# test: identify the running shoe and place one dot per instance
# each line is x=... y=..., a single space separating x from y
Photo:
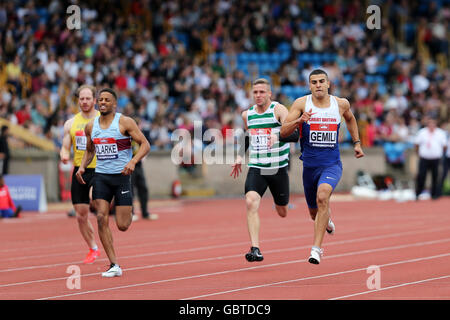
x=331 y=227
x=152 y=216
x=113 y=271
x=254 y=255
x=316 y=253
x=91 y=256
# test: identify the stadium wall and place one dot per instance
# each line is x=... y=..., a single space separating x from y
x=161 y=172
x=38 y=162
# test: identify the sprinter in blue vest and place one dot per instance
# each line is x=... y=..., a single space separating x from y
x=109 y=137
x=319 y=116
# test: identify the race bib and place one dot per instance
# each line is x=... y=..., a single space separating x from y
x=80 y=140
x=259 y=138
x=323 y=134
x=106 y=148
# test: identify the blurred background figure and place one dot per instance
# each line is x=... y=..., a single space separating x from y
x=446 y=160
x=431 y=143
x=140 y=185
x=7 y=207
x=4 y=150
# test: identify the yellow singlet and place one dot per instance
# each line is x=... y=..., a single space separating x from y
x=79 y=139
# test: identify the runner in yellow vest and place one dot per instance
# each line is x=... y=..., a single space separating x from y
x=75 y=138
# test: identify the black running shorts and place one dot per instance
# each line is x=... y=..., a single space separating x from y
x=276 y=179
x=80 y=192
x=107 y=186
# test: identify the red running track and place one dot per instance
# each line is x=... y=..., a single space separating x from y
x=195 y=250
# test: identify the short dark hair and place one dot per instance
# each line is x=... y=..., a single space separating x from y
x=109 y=90
x=316 y=72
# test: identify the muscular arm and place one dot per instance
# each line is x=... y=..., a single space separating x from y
x=64 y=153
x=246 y=143
x=352 y=126
x=242 y=148
x=281 y=113
x=129 y=126
x=293 y=118
x=244 y=118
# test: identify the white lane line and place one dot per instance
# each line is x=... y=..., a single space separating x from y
x=160 y=253
x=378 y=237
x=248 y=268
x=392 y=287
x=320 y=276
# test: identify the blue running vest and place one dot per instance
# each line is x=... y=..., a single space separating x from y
x=319 y=136
x=113 y=150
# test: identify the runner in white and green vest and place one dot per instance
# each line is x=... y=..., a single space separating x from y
x=260 y=127
x=268 y=159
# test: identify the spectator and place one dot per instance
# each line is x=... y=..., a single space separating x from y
x=159 y=135
x=397 y=102
x=24 y=114
x=182 y=48
x=420 y=81
x=71 y=66
x=431 y=143
x=371 y=62
x=139 y=183
x=7 y=206
x=4 y=150
x=52 y=69
x=446 y=160
x=394 y=140
x=13 y=74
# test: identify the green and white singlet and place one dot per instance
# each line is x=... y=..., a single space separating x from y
x=260 y=127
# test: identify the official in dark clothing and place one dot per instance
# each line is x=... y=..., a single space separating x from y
x=139 y=183
x=4 y=150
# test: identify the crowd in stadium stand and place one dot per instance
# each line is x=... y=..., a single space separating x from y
x=173 y=62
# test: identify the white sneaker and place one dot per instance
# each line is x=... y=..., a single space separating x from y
x=331 y=227
x=316 y=253
x=113 y=271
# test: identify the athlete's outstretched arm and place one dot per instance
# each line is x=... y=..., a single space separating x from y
x=131 y=128
x=64 y=153
x=281 y=113
x=237 y=166
x=352 y=127
x=88 y=154
x=295 y=117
